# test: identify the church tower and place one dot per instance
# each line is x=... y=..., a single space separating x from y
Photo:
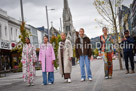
x=68 y=27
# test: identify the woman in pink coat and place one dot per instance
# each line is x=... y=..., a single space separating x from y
x=47 y=57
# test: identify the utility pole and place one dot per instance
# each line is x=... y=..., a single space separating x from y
x=47 y=18
x=22 y=13
x=47 y=22
x=61 y=25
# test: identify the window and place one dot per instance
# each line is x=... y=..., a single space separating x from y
x=5 y=30
x=16 y=31
x=67 y=28
x=16 y=35
x=34 y=31
x=11 y=33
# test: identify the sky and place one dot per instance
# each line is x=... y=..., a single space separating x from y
x=83 y=13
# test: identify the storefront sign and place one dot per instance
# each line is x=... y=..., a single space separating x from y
x=5 y=45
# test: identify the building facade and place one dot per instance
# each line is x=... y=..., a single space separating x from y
x=127 y=18
x=9 y=36
x=34 y=36
x=124 y=19
x=42 y=31
x=133 y=9
x=54 y=32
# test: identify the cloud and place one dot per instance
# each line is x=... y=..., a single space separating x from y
x=83 y=13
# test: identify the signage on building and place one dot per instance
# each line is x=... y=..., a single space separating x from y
x=5 y=45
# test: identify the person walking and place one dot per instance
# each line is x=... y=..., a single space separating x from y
x=28 y=61
x=83 y=53
x=47 y=58
x=65 y=54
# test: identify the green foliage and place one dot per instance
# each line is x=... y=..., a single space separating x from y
x=96 y=52
x=19 y=46
x=55 y=42
x=38 y=68
x=23 y=34
x=20 y=67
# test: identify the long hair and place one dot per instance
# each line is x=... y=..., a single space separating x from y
x=28 y=39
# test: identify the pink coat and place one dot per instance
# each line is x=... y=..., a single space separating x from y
x=47 y=52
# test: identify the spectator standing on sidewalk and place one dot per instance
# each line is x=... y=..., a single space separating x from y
x=128 y=46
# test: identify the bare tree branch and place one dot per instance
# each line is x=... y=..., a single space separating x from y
x=104 y=17
x=105 y=12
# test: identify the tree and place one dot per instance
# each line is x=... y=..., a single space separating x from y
x=108 y=10
x=55 y=42
x=23 y=34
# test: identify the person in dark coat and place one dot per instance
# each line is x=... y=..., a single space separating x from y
x=128 y=46
x=83 y=53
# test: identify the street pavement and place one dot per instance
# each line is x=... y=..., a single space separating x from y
x=119 y=82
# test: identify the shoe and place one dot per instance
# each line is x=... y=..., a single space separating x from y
x=110 y=77
x=32 y=84
x=69 y=80
x=127 y=72
x=66 y=80
x=106 y=77
x=90 y=79
x=44 y=84
x=82 y=79
x=132 y=71
x=28 y=84
x=49 y=83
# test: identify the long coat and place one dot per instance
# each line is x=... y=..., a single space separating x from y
x=28 y=58
x=46 y=56
x=67 y=53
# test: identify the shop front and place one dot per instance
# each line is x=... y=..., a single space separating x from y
x=5 y=55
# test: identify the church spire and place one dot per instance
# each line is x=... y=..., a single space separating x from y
x=66 y=4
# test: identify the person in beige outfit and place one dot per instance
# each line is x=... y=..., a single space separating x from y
x=65 y=54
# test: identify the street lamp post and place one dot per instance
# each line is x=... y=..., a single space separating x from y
x=47 y=17
x=47 y=22
x=22 y=13
x=61 y=25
